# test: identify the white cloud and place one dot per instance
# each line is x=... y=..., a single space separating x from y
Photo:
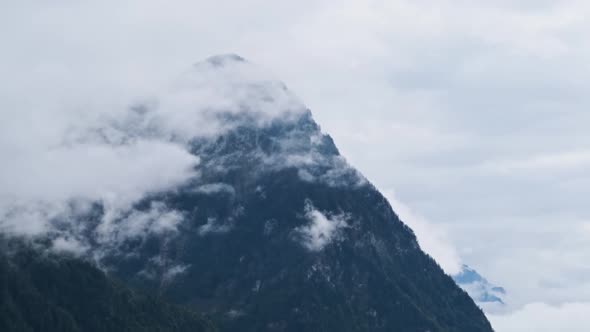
x=39 y=186
x=214 y=226
x=541 y=317
x=229 y=83
x=549 y=162
x=27 y=219
x=157 y=220
x=212 y=188
x=95 y=171
x=118 y=151
x=174 y=271
x=69 y=245
x=321 y=230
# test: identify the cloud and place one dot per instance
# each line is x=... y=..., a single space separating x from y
x=213 y=226
x=115 y=153
x=164 y=269
x=228 y=83
x=69 y=245
x=95 y=171
x=174 y=271
x=158 y=220
x=213 y=188
x=321 y=230
x=39 y=186
x=552 y=162
x=568 y=317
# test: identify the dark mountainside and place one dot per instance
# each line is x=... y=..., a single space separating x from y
x=279 y=233
x=51 y=293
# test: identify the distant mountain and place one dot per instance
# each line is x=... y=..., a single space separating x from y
x=483 y=292
x=277 y=232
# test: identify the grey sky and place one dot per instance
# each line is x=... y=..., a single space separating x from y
x=475 y=113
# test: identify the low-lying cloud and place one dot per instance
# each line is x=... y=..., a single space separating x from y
x=39 y=185
x=321 y=229
x=93 y=154
x=541 y=317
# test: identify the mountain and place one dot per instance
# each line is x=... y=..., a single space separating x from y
x=47 y=293
x=279 y=233
x=487 y=295
x=274 y=232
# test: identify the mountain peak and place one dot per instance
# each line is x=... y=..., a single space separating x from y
x=221 y=60
x=229 y=84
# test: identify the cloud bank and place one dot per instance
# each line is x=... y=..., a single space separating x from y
x=569 y=317
x=102 y=158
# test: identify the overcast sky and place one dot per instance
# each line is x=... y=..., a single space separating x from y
x=474 y=114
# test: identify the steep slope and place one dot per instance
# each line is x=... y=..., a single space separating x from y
x=279 y=233
x=50 y=293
